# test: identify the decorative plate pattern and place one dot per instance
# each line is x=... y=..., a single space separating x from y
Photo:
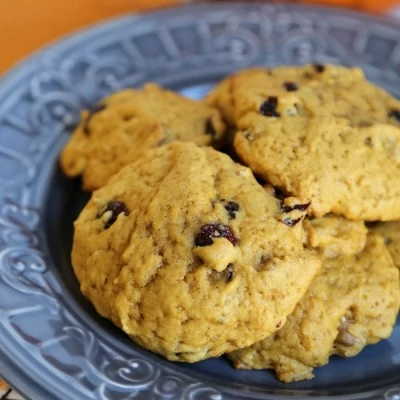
x=55 y=347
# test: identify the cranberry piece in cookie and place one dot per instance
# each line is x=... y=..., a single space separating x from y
x=210 y=231
x=268 y=108
x=232 y=208
x=116 y=208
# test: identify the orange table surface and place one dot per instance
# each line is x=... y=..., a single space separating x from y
x=26 y=25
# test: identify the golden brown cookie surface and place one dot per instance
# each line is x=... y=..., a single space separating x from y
x=390 y=231
x=321 y=132
x=352 y=302
x=122 y=126
x=189 y=255
x=335 y=236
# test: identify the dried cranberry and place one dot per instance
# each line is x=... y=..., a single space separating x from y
x=210 y=231
x=268 y=108
x=300 y=207
x=291 y=222
x=116 y=208
x=96 y=109
x=319 y=67
x=232 y=208
x=290 y=86
x=395 y=114
x=209 y=128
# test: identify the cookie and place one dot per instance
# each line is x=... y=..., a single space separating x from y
x=189 y=255
x=390 y=231
x=321 y=132
x=335 y=236
x=122 y=126
x=352 y=302
x=222 y=99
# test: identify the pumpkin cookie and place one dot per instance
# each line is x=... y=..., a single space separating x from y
x=352 y=302
x=122 y=126
x=321 y=132
x=189 y=255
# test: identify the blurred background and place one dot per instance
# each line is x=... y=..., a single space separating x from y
x=27 y=25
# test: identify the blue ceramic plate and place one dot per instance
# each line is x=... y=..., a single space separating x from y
x=52 y=343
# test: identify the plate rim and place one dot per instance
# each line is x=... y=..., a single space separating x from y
x=109 y=22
